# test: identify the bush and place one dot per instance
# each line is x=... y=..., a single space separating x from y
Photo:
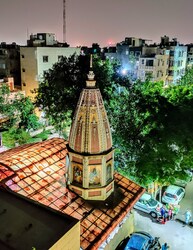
x=14 y=135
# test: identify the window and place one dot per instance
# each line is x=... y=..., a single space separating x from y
x=171 y=63
x=149 y=62
x=23 y=70
x=179 y=192
x=142 y=61
x=22 y=56
x=170 y=72
x=137 y=53
x=45 y=58
x=24 y=84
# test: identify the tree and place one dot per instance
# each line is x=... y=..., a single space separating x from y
x=18 y=114
x=187 y=78
x=18 y=110
x=153 y=131
x=167 y=148
x=24 y=113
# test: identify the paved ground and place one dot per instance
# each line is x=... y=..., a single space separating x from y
x=187 y=202
x=178 y=236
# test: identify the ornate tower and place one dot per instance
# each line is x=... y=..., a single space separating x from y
x=91 y=163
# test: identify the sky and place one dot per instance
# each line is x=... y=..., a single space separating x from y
x=97 y=21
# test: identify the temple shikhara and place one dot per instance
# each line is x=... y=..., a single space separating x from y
x=90 y=146
x=59 y=194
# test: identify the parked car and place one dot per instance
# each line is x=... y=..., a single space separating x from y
x=148 y=205
x=173 y=194
x=140 y=241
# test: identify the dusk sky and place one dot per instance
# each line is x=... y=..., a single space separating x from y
x=96 y=21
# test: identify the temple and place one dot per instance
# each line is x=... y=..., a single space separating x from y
x=90 y=149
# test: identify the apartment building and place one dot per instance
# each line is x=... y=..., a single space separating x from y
x=39 y=58
x=177 y=63
x=153 y=64
x=127 y=53
x=165 y=61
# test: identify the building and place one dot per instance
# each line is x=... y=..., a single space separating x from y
x=177 y=59
x=38 y=171
x=190 y=55
x=153 y=64
x=30 y=225
x=77 y=177
x=127 y=53
x=163 y=62
x=44 y=51
x=42 y=39
x=10 y=62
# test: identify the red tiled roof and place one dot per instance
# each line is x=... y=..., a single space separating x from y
x=37 y=172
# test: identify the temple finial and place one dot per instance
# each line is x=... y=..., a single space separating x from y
x=91 y=61
x=90 y=82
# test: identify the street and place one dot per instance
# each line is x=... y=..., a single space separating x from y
x=187 y=202
x=178 y=236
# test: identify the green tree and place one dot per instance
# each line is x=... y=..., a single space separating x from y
x=24 y=113
x=168 y=147
x=18 y=115
x=187 y=78
x=153 y=131
x=18 y=110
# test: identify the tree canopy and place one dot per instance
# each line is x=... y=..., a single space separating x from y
x=18 y=114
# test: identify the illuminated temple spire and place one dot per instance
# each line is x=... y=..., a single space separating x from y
x=90 y=145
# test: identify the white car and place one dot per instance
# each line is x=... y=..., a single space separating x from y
x=148 y=205
x=173 y=194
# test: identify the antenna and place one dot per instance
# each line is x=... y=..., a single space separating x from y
x=64 y=21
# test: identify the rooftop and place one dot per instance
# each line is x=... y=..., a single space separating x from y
x=37 y=171
x=41 y=228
